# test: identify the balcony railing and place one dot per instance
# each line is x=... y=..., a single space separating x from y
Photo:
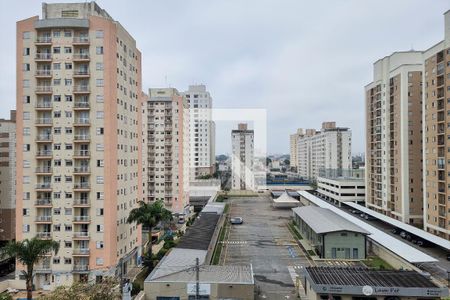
x=81 y=185
x=44 y=104
x=44 y=56
x=82 y=121
x=44 y=235
x=81 y=218
x=44 y=121
x=43 y=170
x=43 y=186
x=44 y=137
x=45 y=202
x=44 y=153
x=43 y=72
x=81 y=170
x=81 y=234
x=81 y=72
x=44 y=39
x=44 y=267
x=80 y=40
x=43 y=218
x=81 y=153
x=80 y=56
x=81 y=251
x=81 y=104
x=81 y=201
x=81 y=137
x=44 y=89
x=80 y=268
x=81 y=88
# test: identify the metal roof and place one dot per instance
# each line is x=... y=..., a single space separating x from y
x=411 y=229
x=323 y=220
x=176 y=260
x=199 y=235
x=370 y=277
x=400 y=248
x=231 y=274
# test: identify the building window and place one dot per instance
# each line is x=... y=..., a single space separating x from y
x=99 y=50
x=26 y=35
x=99 y=82
x=99 y=34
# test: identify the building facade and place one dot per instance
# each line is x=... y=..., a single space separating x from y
x=339 y=186
x=167 y=145
x=436 y=100
x=394 y=137
x=242 y=158
x=202 y=131
x=293 y=142
x=8 y=178
x=329 y=148
x=78 y=131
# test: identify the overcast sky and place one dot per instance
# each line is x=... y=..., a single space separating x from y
x=304 y=61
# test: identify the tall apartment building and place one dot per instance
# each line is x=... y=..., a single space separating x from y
x=293 y=142
x=8 y=178
x=329 y=148
x=78 y=132
x=436 y=158
x=167 y=142
x=202 y=131
x=242 y=158
x=394 y=137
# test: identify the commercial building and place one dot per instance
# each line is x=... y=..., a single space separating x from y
x=242 y=171
x=8 y=178
x=202 y=131
x=293 y=142
x=329 y=234
x=78 y=141
x=358 y=283
x=436 y=151
x=329 y=148
x=342 y=185
x=394 y=137
x=167 y=149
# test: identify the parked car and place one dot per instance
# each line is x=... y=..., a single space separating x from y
x=403 y=234
x=236 y=221
x=369 y=218
x=362 y=215
x=355 y=211
x=421 y=243
x=408 y=237
x=448 y=256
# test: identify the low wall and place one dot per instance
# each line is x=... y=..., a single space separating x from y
x=394 y=260
x=12 y=283
x=215 y=237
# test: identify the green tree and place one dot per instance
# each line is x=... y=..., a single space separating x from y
x=28 y=253
x=149 y=215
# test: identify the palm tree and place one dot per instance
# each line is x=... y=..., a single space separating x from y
x=149 y=215
x=28 y=253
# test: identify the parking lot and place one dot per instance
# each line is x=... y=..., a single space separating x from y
x=264 y=241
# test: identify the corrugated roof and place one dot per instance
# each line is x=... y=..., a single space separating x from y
x=414 y=230
x=199 y=235
x=176 y=260
x=399 y=247
x=242 y=274
x=323 y=220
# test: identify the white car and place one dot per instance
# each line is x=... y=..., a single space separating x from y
x=236 y=221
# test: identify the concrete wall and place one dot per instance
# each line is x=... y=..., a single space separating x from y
x=344 y=240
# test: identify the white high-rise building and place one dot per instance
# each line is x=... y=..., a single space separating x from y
x=293 y=141
x=329 y=148
x=242 y=142
x=202 y=156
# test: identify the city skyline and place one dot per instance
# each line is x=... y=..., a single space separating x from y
x=253 y=73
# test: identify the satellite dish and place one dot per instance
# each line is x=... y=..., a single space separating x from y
x=367 y=290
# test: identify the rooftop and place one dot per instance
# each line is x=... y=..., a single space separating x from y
x=242 y=274
x=200 y=234
x=370 y=277
x=322 y=220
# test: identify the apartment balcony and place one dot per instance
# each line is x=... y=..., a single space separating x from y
x=81 y=235
x=81 y=105
x=44 y=122
x=44 y=138
x=81 y=170
x=81 y=122
x=81 y=219
x=43 y=235
x=44 y=105
x=81 y=154
x=80 y=252
x=43 y=219
x=81 y=186
x=80 y=57
x=80 y=40
x=44 y=170
x=81 y=89
x=43 y=57
x=44 y=154
x=80 y=269
x=43 y=73
x=46 y=202
x=43 y=40
x=44 y=89
x=44 y=187
x=81 y=202
x=43 y=268
x=81 y=138
x=81 y=74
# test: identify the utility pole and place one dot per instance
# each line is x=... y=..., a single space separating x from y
x=197 y=279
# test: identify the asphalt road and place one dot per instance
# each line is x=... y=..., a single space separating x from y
x=264 y=241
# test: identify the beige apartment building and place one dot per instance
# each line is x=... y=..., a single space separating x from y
x=78 y=132
x=394 y=137
x=8 y=178
x=167 y=148
x=436 y=98
x=293 y=142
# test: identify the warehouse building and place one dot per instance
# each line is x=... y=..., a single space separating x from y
x=368 y=284
x=330 y=235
